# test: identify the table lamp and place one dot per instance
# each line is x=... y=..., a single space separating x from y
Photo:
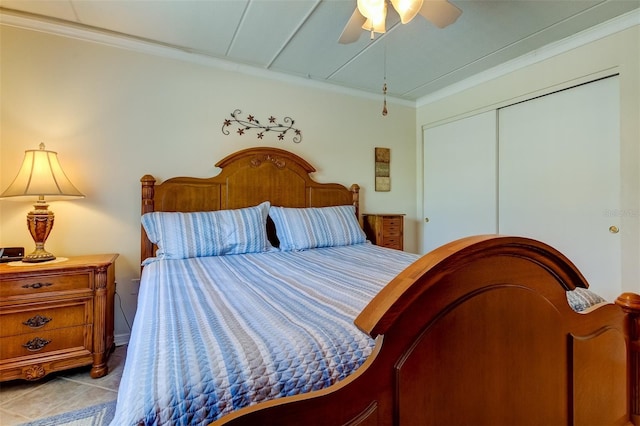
x=40 y=175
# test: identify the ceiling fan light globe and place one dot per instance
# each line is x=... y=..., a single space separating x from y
x=407 y=9
x=372 y=8
x=375 y=12
x=370 y=26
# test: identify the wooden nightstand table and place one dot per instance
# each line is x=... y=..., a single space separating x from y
x=384 y=230
x=56 y=315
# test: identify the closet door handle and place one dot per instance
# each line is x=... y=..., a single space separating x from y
x=614 y=229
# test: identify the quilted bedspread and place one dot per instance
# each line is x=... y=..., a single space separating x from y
x=214 y=334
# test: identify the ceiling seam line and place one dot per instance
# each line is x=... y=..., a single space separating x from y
x=364 y=50
x=235 y=32
x=293 y=34
x=75 y=12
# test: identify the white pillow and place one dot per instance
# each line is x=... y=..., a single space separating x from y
x=305 y=228
x=212 y=233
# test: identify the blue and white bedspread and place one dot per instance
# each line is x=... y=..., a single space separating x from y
x=214 y=334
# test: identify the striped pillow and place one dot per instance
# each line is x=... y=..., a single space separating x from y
x=211 y=233
x=305 y=228
x=580 y=299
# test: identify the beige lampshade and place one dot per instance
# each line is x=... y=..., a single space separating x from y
x=41 y=175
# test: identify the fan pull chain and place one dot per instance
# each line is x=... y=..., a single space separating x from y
x=384 y=105
x=384 y=85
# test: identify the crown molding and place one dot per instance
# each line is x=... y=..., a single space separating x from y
x=140 y=45
x=118 y=40
x=587 y=36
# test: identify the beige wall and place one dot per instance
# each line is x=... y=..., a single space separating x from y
x=616 y=53
x=114 y=115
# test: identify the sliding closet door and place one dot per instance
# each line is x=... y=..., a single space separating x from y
x=559 y=177
x=459 y=180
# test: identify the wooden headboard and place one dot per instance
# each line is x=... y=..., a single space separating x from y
x=248 y=177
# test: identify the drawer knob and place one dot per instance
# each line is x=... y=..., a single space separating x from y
x=37 y=321
x=36 y=344
x=36 y=285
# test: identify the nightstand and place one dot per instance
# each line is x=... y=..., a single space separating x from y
x=384 y=230
x=56 y=315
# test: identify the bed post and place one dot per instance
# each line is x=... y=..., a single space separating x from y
x=148 y=187
x=630 y=304
x=355 y=191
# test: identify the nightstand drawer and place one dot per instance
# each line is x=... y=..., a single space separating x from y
x=44 y=283
x=392 y=221
x=44 y=318
x=38 y=343
x=391 y=242
x=385 y=230
x=392 y=229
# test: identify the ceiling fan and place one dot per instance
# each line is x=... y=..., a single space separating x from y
x=370 y=15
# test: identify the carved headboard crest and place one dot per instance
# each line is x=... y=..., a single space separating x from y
x=277 y=161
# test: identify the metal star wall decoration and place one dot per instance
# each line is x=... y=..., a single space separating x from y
x=251 y=123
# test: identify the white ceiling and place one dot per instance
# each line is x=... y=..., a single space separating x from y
x=300 y=37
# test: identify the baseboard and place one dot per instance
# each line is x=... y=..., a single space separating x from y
x=121 y=339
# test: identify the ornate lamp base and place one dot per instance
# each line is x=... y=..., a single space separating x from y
x=38 y=256
x=40 y=223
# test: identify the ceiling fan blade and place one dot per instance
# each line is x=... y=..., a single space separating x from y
x=440 y=12
x=353 y=30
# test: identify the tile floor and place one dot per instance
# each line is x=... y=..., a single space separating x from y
x=22 y=401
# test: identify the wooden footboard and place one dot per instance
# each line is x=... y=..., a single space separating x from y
x=479 y=332
x=630 y=304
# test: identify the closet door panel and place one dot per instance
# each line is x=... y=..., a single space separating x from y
x=559 y=177
x=459 y=180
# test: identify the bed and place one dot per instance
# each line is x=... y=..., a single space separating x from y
x=308 y=323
